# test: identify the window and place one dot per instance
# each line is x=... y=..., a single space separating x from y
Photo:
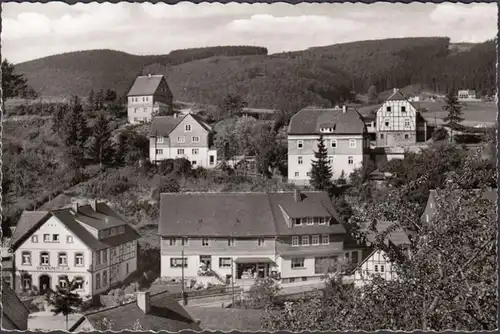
x=403 y=109
x=98 y=258
x=352 y=143
x=406 y=136
x=298 y=222
x=381 y=268
x=62 y=281
x=98 y=281
x=34 y=238
x=308 y=174
x=193 y=162
x=204 y=242
x=350 y=160
x=297 y=262
x=44 y=259
x=187 y=128
x=26 y=258
x=305 y=240
x=299 y=160
x=300 y=143
x=159 y=140
x=322 y=221
x=55 y=237
x=46 y=238
x=381 y=136
x=104 y=278
x=292 y=280
x=69 y=239
x=181 y=139
x=195 y=139
x=177 y=262
x=79 y=282
x=126 y=269
x=260 y=242
x=316 y=220
x=430 y=205
x=180 y=151
x=334 y=143
x=315 y=239
x=309 y=221
x=224 y=262
x=105 y=256
x=62 y=259
x=230 y=242
x=295 y=241
x=386 y=124
x=78 y=259
x=184 y=241
x=376 y=268
x=113 y=231
x=325 y=239
x=426 y=218
x=296 y=174
x=407 y=123
x=172 y=241
x=195 y=151
x=388 y=109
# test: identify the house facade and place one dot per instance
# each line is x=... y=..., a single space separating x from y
x=179 y=136
x=399 y=123
x=378 y=263
x=291 y=235
x=89 y=243
x=345 y=136
x=467 y=95
x=149 y=95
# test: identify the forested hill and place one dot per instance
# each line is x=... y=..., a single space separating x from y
x=319 y=75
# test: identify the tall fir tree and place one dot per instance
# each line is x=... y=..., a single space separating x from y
x=120 y=150
x=101 y=149
x=321 y=171
x=454 y=109
x=75 y=133
x=91 y=99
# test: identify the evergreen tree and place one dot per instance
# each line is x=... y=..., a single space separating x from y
x=65 y=300
x=12 y=84
x=61 y=111
x=120 y=150
x=454 y=109
x=101 y=150
x=99 y=98
x=372 y=94
x=91 y=99
x=75 y=133
x=321 y=171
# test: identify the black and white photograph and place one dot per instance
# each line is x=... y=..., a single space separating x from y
x=249 y=167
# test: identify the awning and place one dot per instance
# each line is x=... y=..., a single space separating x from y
x=253 y=260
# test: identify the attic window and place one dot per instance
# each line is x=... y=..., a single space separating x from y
x=388 y=109
x=327 y=130
x=403 y=109
x=187 y=128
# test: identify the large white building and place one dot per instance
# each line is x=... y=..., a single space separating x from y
x=294 y=235
x=89 y=243
x=149 y=95
x=344 y=134
x=182 y=136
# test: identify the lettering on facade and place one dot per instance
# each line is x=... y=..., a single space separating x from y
x=51 y=268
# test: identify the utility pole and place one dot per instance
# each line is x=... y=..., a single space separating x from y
x=184 y=301
x=232 y=281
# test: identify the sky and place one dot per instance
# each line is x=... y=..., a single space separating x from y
x=35 y=30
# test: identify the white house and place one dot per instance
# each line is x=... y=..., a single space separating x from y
x=89 y=243
x=467 y=95
x=344 y=134
x=378 y=262
x=149 y=95
x=186 y=136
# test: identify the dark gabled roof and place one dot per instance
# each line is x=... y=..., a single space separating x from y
x=162 y=126
x=397 y=96
x=310 y=120
x=166 y=314
x=13 y=309
x=396 y=237
x=31 y=220
x=240 y=214
x=145 y=85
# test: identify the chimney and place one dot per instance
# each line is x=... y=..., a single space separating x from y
x=394 y=90
x=75 y=207
x=297 y=196
x=143 y=301
x=93 y=204
x=344 y=109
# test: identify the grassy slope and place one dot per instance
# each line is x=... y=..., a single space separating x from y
x=259 y=78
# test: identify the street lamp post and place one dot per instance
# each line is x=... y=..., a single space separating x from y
x=232 y=281
x=184 y=301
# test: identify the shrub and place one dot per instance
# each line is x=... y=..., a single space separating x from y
x=440 y=134
x=182 y=167
x=166 y=167
x=262 y=293
x=164 y=185
x=107 y=185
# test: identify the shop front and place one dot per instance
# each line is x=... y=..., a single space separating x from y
x=253 y=267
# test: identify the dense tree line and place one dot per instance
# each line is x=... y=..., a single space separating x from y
x=186 y=55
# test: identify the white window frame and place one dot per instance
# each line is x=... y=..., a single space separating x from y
x=261 y=241
x=230 y=242
x=78 y=280
x=325 y=239
x=62 y=256
x=79 y=256
x=297 y=174
x=333 y=143
x=225 y=262
x=188 y=128
x=180 y=151
x=55 y=237
x=300 y=144
x=159 y=151
x=295 y=241
x=298 y=222
x=45 y=255
x=309 y=221
x=300 y=160
x=195 y=139
x=322 y=220
x=46 y=237
x=159 y=140
x=305 y=238
x=315 y=240
x=69 y=239
x=181 y=139
x=352 y=143
x=98 y=281
x=195 y=151
x=61 y=280
x=350 y=160
x=403 y=108
x=297 y=260
x=26 y=256
x=174 y=262
x=205 y=242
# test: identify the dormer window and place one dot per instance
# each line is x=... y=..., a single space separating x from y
x=297 y=222
x=327 y=129
x=159 y=140
x=309 y=221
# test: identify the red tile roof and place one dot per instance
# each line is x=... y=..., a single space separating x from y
x=241 y=214
x=310 y=120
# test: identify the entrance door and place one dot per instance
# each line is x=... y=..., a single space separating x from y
x=44 y=283
x=207 y=260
